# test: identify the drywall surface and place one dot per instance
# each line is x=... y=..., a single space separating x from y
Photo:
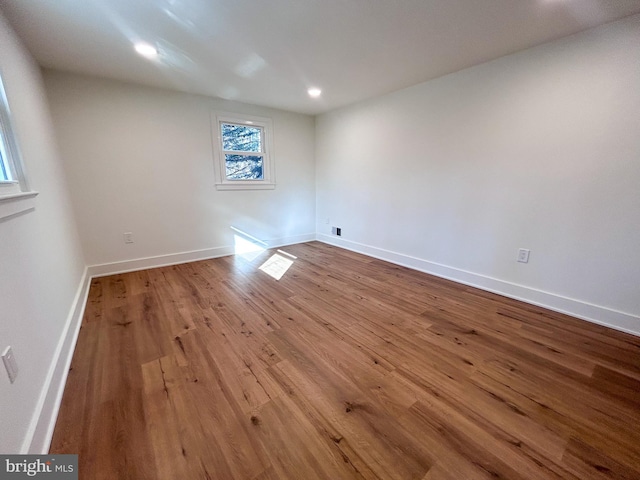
x=140 y=160
x=537 y=150
x=41 y=264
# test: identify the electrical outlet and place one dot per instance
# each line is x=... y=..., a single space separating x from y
x=327 y=221
x=338 y=231
x=128 y=237
x=10 y=364
x=523 y=255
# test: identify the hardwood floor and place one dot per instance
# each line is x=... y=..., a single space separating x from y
x=346 y=368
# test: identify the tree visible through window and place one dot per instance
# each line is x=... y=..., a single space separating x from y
x=243 y=152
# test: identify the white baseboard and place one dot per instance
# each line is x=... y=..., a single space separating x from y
x=157 y=261
x=40 y=432
x=607 y=317
x=185 y=257
x=284 y=241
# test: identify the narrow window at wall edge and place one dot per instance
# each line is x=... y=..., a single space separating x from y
x=11 y=175
x=15 y=196
x=243 y=151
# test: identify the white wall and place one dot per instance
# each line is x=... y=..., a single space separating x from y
x=140 y=160
x=540 y=150
x=41 y=264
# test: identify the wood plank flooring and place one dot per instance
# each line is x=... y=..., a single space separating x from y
x=346 y=368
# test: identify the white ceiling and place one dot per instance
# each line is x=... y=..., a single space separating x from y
x=268 y=52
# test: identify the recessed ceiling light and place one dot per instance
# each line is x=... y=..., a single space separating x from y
x=314 y=92
x=146 y=50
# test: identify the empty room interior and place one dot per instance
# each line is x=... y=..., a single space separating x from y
x=321 y=239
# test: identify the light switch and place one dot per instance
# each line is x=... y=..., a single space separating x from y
x=10 y=364
x=523 y=255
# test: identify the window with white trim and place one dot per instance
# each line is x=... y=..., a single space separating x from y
x=15 y=197
x=11 y=179
x=243 y=152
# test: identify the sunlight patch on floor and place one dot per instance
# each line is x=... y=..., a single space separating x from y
x=278 y=264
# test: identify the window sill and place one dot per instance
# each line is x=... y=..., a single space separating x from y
x=15 y=203
x=245 y=186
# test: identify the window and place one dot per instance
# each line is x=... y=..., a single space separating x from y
x=243 y=152
x=9 y=157
x=14 y=197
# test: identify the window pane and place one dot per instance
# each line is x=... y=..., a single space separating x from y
x=4 y=170
x=243 y=167
x=241 y=138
